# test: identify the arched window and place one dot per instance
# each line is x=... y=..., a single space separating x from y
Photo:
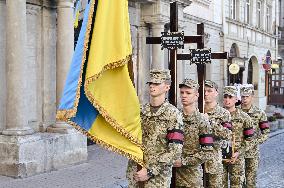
x=268 y=57
x=234 y=78
x=234 y=50
x=250 y=72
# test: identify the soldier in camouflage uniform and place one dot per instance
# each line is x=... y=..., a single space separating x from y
x=221 y=131
x=162 y=136
x=261 y=127
x=198 y=140
x=242 y=128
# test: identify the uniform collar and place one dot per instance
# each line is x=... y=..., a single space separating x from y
x=146 y=110
x=251 y=109
x=213 y=110
x=190 y=117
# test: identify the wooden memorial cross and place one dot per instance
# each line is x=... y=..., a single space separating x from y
x=201 y=56
x=172 y=41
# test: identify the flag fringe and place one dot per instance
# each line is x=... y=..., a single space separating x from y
x=100 y=109
x=105 y=145
x=66 y=114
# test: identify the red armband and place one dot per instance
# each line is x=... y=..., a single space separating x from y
x=248 y=132
x=175 y=136
x=227 y=125
x=263 y=125
x=206 y=140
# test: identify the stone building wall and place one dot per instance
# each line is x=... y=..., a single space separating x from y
x=40 y=56
x=252 y=42
x=145 y=16
x=31 y=141
x=2 y=66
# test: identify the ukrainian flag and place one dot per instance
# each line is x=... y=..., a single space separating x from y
x=99 y=98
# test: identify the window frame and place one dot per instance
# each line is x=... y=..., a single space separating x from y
x=233 y=9
x=258 y=13
x=268 y=18
x=247 y=11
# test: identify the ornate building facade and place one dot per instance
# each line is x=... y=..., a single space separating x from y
x=36 y=49
x=247 y=29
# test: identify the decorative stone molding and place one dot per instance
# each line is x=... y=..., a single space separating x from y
x=44 y=3
x=253 y=28
x=65 y=3
x=33 y=9
x=156 y=13
x=159 y=13
x=203 y=2
x=184 y=3
x=144 y=1
x=269 y=2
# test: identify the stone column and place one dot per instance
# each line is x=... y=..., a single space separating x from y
x=64 y=52
x=17 y=77
x=158 y=57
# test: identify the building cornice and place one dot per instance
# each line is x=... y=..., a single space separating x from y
x=211 y=24
x=203 y=2
x=247 y=26
x=43 y=3
x=183 y=3
x=236 y=39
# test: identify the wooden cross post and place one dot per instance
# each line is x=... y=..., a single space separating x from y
x=201 y=70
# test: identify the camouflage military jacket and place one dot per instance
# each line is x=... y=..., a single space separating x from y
x=162 y=136
x=261 y=127
x=198 y=147
x=221 y=129
x=243 y=131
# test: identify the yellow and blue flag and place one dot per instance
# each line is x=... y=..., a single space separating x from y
x=76 y=13
x=99 y=98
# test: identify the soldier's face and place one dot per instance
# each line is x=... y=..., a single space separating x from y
x=157 y=90
x=188 y=96
x=210 y=94
x=247 y=100
x=229 y=101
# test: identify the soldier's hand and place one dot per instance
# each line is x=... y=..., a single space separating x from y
x=141 y=175
x=206 y=116
x=177 y=163
x=234 y=157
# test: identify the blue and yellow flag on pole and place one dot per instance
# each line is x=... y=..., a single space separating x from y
x=99 y=99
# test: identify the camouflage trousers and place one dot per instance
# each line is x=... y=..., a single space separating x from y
x=214 y=170
x=189 y=177
x=215 y=180
x=234 y=172
x=251 y=166
x=163 y=180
